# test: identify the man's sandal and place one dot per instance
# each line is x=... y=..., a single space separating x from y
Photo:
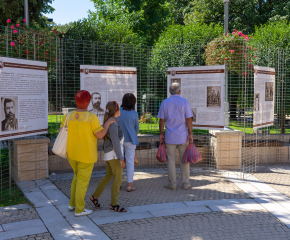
x=95 y=201
x=117 y=208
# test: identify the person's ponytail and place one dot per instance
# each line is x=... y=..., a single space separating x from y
x=111 y=109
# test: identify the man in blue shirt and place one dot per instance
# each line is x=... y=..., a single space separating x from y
x=176 y=113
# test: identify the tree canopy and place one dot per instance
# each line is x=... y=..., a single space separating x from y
x=243 y=14
x=146 y=18
x=15 y=10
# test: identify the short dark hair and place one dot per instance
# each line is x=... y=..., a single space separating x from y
x=7 y=100
x=128 y=102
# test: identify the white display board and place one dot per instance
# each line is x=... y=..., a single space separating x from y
x=264 y=96
x=204 y=88
x=24 y=98
x=107 y=83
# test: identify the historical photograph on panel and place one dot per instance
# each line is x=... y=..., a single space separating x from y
x=86 y=71
x=178 y=80
x=9 y=114
x=214 y=96
x=98 y=104
x=194 y=114
x=269 y=91
x=257 y=102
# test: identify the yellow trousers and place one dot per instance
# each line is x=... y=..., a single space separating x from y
x=115 y=171
x=80 y=183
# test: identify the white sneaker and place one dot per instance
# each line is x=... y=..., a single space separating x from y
x=84 y=213
x=70 y=208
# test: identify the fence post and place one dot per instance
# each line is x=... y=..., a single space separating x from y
x=34 y=50
x=7 y=45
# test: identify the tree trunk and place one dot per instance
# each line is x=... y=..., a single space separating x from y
x=282 y=121
x=233 y=107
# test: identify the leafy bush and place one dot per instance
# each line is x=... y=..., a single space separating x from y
x=102 y=31
x=233 y=50
x=31 y=43
x=148 y=118
x=182 y=45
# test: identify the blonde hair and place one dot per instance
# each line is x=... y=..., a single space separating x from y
x=111 y=109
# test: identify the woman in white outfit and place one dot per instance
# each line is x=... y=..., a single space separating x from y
x=129 y=123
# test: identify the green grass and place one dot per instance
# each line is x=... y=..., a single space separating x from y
x=54 y=122
x=239 y=125
x=14 y=195
x=12 y=198
x=153 y=128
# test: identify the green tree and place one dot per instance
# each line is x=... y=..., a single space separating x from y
x=147 y=18
x=243 y=14
x=273 y=42
x=180 y=46
x=273 y=35
x=15 y=9
x=102 y=31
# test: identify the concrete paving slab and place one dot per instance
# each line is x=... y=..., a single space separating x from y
x=154 y=207
x=237 y=207
x=246 y=187
x=62 y=230
x=38 y=199
x=56 y=197
x=277 y=196
x=263 y=187
x=22 y=232
x=278 y=211
x=177 y=211
x=69 y=215
x=15 y=207
x=87 y=230
x=50 y=215
x=105 y=213
x=27 y=186
x=63 y=209
x=247 y=201
x=48 y=186
x=281 y=199
x=22 y=224
x=73 y=219
x=260 y=197
x=119 y=217
x=211 y=202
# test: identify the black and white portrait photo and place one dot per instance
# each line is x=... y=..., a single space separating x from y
x=257 y=102
x=269 y=91
x=214 y=96
x=178 y=80
x=9 y=113
x=194 y=114
x=98 y=105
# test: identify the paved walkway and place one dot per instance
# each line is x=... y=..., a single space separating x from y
x=205 y=186
x=260 y=212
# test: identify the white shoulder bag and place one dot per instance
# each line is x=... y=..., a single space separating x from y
x=60 y=144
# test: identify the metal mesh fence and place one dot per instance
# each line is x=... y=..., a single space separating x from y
x=239 y=147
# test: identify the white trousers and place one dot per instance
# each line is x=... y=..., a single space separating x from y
x=129 y=155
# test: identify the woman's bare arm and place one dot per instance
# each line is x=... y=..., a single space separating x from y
x=103 y=132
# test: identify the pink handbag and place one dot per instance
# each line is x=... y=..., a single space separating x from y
x=161 y=155
x=191 y=154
